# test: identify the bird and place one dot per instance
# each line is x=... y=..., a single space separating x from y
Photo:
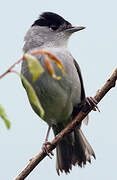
x=60 y=99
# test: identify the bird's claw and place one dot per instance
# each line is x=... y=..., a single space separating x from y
x=91 y=101
x=45 y=149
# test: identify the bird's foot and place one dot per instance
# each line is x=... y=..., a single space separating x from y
x=45 y=149
x=92 y=102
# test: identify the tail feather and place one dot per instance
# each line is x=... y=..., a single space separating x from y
x=89 y=149
x=72 y=150
x=63 y=162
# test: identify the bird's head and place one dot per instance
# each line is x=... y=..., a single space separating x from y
x=51 y=29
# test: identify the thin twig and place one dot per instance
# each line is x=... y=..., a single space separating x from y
x=46 y=54
x=81 y=115
x=10 y=68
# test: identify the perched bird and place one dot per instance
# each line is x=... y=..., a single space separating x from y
x=60 y=99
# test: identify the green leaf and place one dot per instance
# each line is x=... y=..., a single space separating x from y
x=34 y=65
x=32 y=96
x=4 y=117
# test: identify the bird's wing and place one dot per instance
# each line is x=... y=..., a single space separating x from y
x=75 y=110
x=81 y=80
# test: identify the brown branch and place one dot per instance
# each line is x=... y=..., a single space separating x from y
x=81 y=115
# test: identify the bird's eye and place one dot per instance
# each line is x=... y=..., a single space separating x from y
x=54 y=27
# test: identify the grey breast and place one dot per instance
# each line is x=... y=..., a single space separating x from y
x=57 y=97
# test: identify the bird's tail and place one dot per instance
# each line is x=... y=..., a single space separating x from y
x=72 y=150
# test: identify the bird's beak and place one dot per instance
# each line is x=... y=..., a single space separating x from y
x=75 y=29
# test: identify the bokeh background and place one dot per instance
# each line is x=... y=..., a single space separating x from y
x=95 y=49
